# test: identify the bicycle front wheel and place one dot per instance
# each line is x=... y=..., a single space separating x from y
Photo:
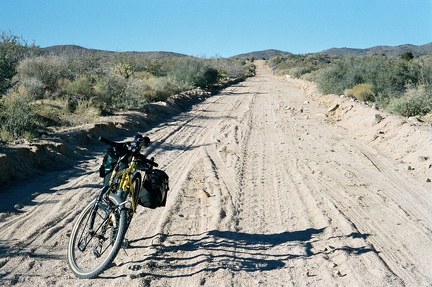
x=96 y=237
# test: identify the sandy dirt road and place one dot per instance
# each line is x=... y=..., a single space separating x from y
x=265 y=191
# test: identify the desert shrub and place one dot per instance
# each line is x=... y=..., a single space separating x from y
x=209 y=77
x=66 y=111
x=339 y=76
x=91 y=63
x=122 y=69
x=425 y=70
x=12 y=50
x=109 y=91
x=17 y=116
x=46 y=69
x=232 y=69
x=34 y=87
x=50 y=111
x=416 y=101
x=348 y=93
x=298 y=65
x=363 y=92
x=82 y=85
x=72 y=88
x=163 y=87
x=85 y=111
x=143 y=75
x=387 y=75
x=137 y=93
x=195 y=72
x=407 y=56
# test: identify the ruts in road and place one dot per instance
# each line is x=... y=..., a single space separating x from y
x=264 y=191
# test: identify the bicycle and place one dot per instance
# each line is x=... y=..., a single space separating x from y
x=98 y=234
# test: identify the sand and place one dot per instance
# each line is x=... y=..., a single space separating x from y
x=268 y=188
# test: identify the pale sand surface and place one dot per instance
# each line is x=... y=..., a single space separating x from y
x=267 y=189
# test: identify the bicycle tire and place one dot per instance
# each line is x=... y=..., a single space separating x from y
x=136 y=183
x=87 y=244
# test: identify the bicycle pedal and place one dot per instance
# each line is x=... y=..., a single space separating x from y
x=125 y=243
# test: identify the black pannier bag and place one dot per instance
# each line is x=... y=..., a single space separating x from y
x=154 y=190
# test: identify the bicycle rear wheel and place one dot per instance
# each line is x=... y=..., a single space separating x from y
x=96 y=237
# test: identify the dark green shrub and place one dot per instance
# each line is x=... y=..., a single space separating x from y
x=195 y=72
x=388 y=75
x=210 y=77
x=416 y=101
x=12 y=50
x=109 y=91
x=407 y=56
x=137 y=94
x=17 y=115
x=81 y=86
x=298 y=65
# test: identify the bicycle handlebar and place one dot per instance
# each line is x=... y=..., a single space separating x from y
x=152 y=162
x=121 y=145
x=108 y=142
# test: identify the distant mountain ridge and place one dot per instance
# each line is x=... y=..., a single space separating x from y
x=387 y=50
x=419 y=50
x=71 y=50
x=265 y=54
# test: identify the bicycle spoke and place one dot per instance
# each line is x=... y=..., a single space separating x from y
x=96 y=238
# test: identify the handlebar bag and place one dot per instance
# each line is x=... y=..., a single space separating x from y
x=108 y=162
x=154 y=190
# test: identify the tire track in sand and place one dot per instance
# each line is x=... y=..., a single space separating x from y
x=264 y=192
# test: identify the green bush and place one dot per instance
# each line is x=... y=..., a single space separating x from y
x=109 y=90
x=210 y=77
x=195 y=72
x=298 y=65
x=387 y=75
x=47 y=70
x=416 y=101
x=401 y=85
x=81 y=86
x=17 y=116
x=34 y=87
x=44 y=90
x=425 y=70
x=163 y=87
x=12 y=50
x=85 y=111
x=380 y=78
x=137 y=93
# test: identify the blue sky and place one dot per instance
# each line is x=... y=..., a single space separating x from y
x=219 y=28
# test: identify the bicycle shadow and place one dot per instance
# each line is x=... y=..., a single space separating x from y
x=182 y=255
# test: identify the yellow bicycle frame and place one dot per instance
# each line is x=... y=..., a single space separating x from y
x=125 y=182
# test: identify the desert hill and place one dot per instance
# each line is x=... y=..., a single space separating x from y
x=341 y=52
x=71 y=50
x=387 y=50
x=417 y=50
